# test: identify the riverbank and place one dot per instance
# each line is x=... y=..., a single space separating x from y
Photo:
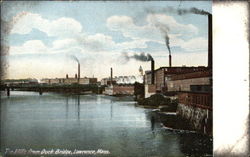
x=175 y=116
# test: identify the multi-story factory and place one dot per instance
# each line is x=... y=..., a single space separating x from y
x=119 y=89
x=19 y=81
x=107 y=82
x=192 y=86
x=158 y=80
x=173 y=79
x=123 y=85
x=198 y=81
x=70 y=80
x=122 y=80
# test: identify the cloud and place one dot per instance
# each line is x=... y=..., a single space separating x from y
x=101 y=42
x=98 y=42
x=31 y=46
x=64 y=46
x=8 y=25
x=152 y=31
x=24 y=23
x=64 y=27
x=136 y=43
x=72 y=39
x=179 y=59
x=181 y=35
x=170 y=22
x=64 y=43
x=195 y=44
x=120 y=23
x=125 y=24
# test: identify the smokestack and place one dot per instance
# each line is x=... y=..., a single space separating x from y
x=75 y=75
x=170 y=60
x=169 y=50
x=210 y=41
x=152 y=71
x=78 y=72
x=67 y=76
x=111 y=76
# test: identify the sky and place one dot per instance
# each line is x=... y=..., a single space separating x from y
x=40 y=38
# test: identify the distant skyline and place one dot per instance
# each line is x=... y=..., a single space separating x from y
x=40 y=38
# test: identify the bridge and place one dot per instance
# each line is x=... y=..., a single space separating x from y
x=59 y=88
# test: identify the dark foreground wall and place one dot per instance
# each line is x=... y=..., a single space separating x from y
x=198 y=118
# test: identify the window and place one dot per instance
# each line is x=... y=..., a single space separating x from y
x=198 y=100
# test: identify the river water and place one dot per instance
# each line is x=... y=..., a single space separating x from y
x=91 y=122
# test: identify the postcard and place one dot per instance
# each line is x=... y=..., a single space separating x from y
x=107 y=78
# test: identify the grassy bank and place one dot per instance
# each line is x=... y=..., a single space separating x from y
x=159 y=100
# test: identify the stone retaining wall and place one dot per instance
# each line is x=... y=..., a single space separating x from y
x=199 y=119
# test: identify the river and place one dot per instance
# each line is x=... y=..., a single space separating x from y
x=91 y=122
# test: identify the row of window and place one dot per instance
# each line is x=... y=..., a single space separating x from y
x=201 y=100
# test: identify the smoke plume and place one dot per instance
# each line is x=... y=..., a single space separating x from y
x=75 y=58
x=192 y=11
x=128 y=79
x=139 y=57
x=167 y=43
x=164 y=30
x=179 y=11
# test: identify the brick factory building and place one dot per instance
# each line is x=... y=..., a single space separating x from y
x=195 y=98
x=162 y=76
x=19 y=81
x=194 y=92
x=67 y=80
x=107 y=81
x=198 y=81
x=192 y=86
x=127 y=89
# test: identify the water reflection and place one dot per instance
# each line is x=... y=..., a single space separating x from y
x=78 y=107
x=111 y=110
x=87 y=122
x=152 y=123
x=195 y=144
x=67 y=105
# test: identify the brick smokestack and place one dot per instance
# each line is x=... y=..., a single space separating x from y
x=75 y=75
x=152 y=71
x=170 y=60
x=210 y=41
x=67 y=76
x=78 y=72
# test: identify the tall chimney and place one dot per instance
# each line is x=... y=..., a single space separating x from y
x=152 y=71
x=78 y=72
x=111 y=76
x=170 y=60
x=210 y=41
x=75 y=75
x=67 y=76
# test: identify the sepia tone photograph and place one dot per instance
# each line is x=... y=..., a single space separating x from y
x=106 y=78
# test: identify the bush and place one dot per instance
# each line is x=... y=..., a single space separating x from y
x=155 y=100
